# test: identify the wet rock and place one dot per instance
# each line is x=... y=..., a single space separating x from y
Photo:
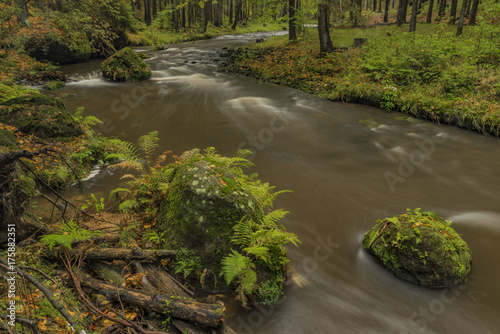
x=40 y=115
x=54 y=85
x=125 y=65
x=203 y=203
x=421 y=248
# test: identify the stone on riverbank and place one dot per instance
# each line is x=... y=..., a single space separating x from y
x=125 y=65
x=421 y=248
x=203 y=203
x=43 y=116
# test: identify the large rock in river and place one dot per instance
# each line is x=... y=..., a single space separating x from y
x=420 y=247
x=203 y=203
x=43 y=116
x=125 y=65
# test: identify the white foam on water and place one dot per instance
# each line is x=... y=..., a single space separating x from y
x=487 y=219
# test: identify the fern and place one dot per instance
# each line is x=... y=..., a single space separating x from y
x=148 y=144
x=239 y=266
x=128 y=205
x=129 y=233
x=70 y=232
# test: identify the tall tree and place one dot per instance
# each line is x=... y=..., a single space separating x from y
x=473 y=13
x=402 y=9
x=237 y=14
x=414 y=13
x=218 y=12
x=325 y=41
x=442 y=8
x=147 y=12
x=453 y=11
x=460 y=25
x=356 y=12
x=386 y=10
x=292 y=20
x=429 y=12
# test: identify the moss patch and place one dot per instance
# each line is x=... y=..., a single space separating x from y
x=40 y=115
x=420 y=247
x=125 y=65
x=54 y=85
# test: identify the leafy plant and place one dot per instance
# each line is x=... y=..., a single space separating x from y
x=187 y=262
x=69 y=233
x=238 y=266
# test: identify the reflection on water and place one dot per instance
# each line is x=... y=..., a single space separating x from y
x=345 y=173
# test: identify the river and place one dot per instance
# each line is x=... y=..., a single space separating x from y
x=347 y=165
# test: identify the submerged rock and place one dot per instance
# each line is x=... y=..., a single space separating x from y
x=125 y=65
x=43 y=116
x=203 y=203
x=421 y=248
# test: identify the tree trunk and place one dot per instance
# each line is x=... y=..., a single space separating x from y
x=325 y=41
x=292 y=32
x=237 y=14
x=460 y=25
x=442 y=8
x=386 y=11
x=379 y=6
x=109 y=254
x=374 y=4
x=183 y=17
x=22 y=16
x=231 y=11
x=429 y=12
x=147 y=12
x=218 y=12
x=356 y=12
x=453 y=11
x=473 y=13
x=402 y=8
x=414 y=12
x=200 y=314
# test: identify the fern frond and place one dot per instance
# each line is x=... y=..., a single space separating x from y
x=129 y=233
x=118 y=191
x=256 y=251
x=128 y=205
x=239 y=266
x=127 y=165
x=148 y=144
x=128 y=176
x=70 y=232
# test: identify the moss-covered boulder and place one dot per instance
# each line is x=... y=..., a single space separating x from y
x=125 y=65
x=203 y=203
x=65 y=49
x=43 y=116
x=7 y=139
x=420 y=247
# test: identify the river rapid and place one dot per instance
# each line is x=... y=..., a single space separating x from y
x=347 y=165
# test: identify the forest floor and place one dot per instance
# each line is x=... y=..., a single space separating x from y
x=430 y=74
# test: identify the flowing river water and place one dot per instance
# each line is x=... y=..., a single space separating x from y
x=347 y=165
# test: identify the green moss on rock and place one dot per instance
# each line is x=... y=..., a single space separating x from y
x=200 y=210
x=7 y=139
x=420 y=247
x=125 y=65
x=67 y=49
x=40 y=115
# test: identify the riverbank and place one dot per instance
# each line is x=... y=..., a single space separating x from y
x=430 y=75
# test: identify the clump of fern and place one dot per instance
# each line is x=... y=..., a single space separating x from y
x=68 y=233
x=147 y=179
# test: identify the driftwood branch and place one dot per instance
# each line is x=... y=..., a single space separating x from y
x=204 y=315
x=44 y=290
x=32 y=324
x=135 y=254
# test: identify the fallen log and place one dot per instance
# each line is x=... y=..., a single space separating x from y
x=134 y=254
x=147 y=287
x=107 y=272
x=162 y=281
x=187 y=328
x=200 y=314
